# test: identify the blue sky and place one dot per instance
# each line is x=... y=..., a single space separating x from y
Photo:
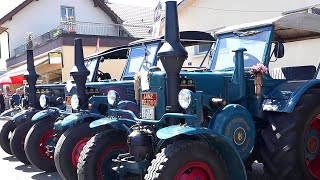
x=7 y=5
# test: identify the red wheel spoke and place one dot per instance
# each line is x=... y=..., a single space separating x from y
x=312 y=144
x=77 y=150
x=44 y=140
x=195 y=170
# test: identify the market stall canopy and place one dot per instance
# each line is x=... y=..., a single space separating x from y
x=20 y=70
x=11 y=80
x=287 y=27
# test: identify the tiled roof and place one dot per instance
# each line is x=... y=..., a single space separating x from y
x=137 y=20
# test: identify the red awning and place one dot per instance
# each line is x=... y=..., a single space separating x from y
x=11 y=80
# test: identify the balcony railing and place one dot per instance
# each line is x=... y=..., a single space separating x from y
x=84 y=28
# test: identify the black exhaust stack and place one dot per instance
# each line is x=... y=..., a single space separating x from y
x=31 y=76
x=172 y=55
x=79 y=72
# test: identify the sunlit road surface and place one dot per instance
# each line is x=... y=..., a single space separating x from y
x=12 y=169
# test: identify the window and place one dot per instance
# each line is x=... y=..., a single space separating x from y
x=67 y=13
x=201 y=49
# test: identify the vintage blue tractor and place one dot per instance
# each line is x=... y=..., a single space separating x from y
x=15 y=129
x=212 y=123
x=141 y=57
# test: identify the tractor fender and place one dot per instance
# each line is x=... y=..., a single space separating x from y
x=43 y=114
x=76 y=118
x=235 y=166
x=22 y=115
x=115 y=123
x=285 y=97
x=10 y=112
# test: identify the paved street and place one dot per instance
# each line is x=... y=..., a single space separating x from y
x=12 y=169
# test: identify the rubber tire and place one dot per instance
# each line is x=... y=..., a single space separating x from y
x=17 y=141
x=64 y=148
x=32 y=142
x=87 y=164
x=4 y=136
x=281 y=149
x=168 y=162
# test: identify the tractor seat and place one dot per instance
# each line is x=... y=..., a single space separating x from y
x=294 y=73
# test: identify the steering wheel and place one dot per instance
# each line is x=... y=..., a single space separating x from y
x=251 y=60
x=103 y=76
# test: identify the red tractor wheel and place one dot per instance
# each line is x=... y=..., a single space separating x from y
x=69 y=147
x=39 y=145
x=95 y=162
x=188 y=159
x=290 y=147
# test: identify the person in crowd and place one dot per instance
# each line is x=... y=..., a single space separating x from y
x=2 y=105
x=16 y=97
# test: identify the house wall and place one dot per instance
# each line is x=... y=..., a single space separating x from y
x=209 y=15
x=41 y=16
x=4 y=50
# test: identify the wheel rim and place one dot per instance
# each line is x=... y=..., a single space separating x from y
x=312 y=155
x=45 y=141
x=195 y=170
x=77 y=150
x=105 y=164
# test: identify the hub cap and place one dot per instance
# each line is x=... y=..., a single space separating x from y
x=45 y=143
x=195 y=170
x=77 y=150
x=312 y=156
x=105 y=164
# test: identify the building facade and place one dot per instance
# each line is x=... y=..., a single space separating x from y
x=211 y=15
x=49 y=28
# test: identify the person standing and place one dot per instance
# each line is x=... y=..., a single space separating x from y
x=16 y=98
x=2 y=105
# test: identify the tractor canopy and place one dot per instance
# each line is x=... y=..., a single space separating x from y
x=140 y=55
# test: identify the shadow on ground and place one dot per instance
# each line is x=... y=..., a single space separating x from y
x=26 y=168
x=45 y=176
x=10 y=158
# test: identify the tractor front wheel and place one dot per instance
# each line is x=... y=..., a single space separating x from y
x=17 y=141
x=39 y=145
x=291 y=143
x=187 y=159
x=69 y=147
x=95 y=162
x=5 y=133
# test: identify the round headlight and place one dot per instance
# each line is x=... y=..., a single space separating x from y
x=185 y=98
x=112 y=97
x=75 y=102
x=43 y=101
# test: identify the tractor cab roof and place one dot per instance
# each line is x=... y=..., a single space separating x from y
x=188 y=38
x=287 y=28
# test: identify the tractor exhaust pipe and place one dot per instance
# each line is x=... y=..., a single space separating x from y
x=79 y=72
x=172 y=55
x=31 y=77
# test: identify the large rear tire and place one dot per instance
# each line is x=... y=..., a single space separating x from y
x=95 y=162
x=40 y=136
x=5 y=133
x=17 y=141
x=69 y=147
x=290 y=146
x=187 y=159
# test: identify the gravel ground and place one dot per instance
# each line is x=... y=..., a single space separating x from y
x=12 y=169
